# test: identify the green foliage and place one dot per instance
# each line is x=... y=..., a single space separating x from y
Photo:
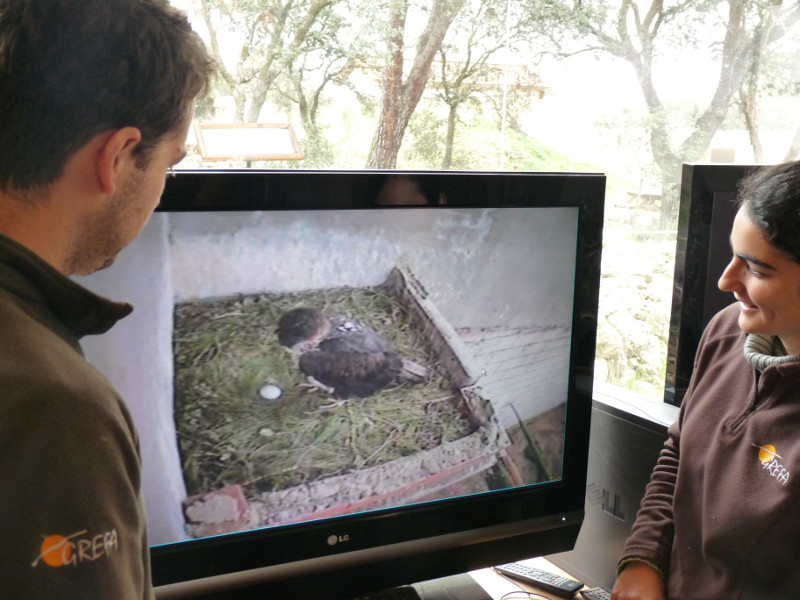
x=426 y=139
x=528 y=154
x=648 y=379
x=478 y=148
x=318 y=152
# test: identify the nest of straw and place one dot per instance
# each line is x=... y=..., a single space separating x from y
x=226 y=350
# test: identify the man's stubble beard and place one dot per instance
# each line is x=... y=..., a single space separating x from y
x=102 y=236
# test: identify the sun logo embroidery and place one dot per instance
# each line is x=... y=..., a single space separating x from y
x=56 y=551
x=60 y=550
x=768 y=456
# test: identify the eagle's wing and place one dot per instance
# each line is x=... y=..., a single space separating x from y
x=357 y=363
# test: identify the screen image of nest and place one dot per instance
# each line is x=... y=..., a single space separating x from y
x=333 y=362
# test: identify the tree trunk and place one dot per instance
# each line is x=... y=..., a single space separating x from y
x=239 y=103
x=749 y=104
x=737 y=57
x=383 y=154
x=239 y=97
x=400 y=98
x=794 y=150
x=452 y=117
x=739 y=51
x=279 y=55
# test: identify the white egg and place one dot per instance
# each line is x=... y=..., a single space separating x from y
x=270 y=392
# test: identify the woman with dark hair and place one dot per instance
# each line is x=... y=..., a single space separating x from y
x=721 y=515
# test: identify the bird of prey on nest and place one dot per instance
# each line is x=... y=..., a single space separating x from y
x=343 y=357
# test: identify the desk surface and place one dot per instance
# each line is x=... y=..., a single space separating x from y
x=496 y=585
x=482 y=584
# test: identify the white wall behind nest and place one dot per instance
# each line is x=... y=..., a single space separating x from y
x=136 y=356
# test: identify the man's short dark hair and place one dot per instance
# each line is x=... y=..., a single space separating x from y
x=771 y=198
x=71 y=69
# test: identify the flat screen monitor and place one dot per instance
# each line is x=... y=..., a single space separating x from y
x=347 y=381
x=707 y=209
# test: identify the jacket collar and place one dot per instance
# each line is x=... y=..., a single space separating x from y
x=51 y=293
x=762 y=351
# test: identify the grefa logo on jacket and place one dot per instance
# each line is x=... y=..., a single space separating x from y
x=770 y=462
x=76 y=548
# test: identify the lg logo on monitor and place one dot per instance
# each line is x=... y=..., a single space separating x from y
x=337 y=539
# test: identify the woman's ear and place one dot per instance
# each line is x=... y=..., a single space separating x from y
x=116 y=157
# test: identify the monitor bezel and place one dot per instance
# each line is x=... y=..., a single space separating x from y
x=407 y=543
x=705 y=217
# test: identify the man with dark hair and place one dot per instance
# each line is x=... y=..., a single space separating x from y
x=96 y=98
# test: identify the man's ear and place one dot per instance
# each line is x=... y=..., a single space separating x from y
x=116 y=156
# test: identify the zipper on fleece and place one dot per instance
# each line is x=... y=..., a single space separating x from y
x=750 y=410
x=752 y=407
